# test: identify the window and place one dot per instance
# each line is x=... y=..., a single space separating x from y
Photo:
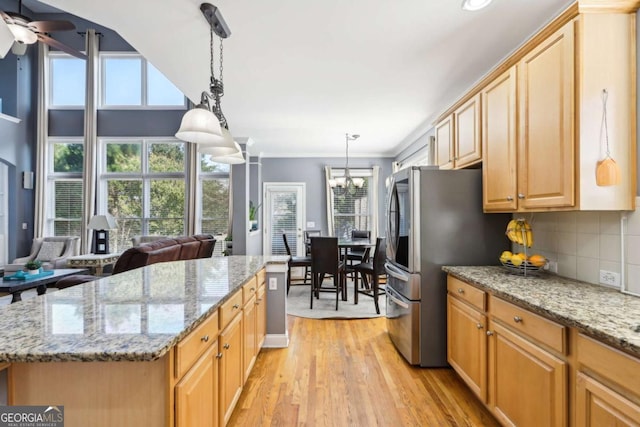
x=213 y=199
x=67 y=80
x=353 y=210
x=145 y=184
x=129 y=81
x=64 y=187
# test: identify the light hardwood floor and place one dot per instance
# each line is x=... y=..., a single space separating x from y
x=347 y=373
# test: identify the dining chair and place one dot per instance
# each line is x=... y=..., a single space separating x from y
x=325 y=260
x=295 y=261
x=358 y=254
x=372 y=269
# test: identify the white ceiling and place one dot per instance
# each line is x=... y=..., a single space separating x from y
x=299 y=74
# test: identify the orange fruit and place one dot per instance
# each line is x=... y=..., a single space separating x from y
x=537 y=260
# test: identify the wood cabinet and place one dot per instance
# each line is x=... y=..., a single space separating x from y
x=467 y=144
x=444 y=143
x=249 y=325
x=196 y=395
x=231 y=369
x=261 y=316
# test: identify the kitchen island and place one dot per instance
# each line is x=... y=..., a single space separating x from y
x=545 y=350
x=117 y=351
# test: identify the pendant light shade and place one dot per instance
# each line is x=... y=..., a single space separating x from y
x=231 y=159
x=200 y=126
x=224 y=147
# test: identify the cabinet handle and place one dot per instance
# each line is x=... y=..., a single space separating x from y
x=509 y=198
x=460 y=291
x=258 y=301
x=517 y=319
x=520 y=196
x=219 y=356
x=226 y=346
x=479 y=325
x=205 y=338
x=252 y=289
x=236 y=306
x=489 y=333
x=455 y=158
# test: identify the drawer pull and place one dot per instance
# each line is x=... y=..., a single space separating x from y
x=226 y=346
x=205 y=338
x=489 y=333
x=479 y=325
x=235 y=306
x=460 y=291
x=509 y=198
x=517 y=319
x=219 y=356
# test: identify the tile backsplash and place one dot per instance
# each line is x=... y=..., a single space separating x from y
x=583 y=243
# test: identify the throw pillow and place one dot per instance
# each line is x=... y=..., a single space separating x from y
x=50 y=250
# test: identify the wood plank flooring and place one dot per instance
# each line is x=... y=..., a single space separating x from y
x=347 y=373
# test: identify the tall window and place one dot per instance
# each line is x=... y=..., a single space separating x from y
x=67 y=81
x=213 y=199
x=64 y=187
x=130 y=81
x=144 y=181
x=353 y=210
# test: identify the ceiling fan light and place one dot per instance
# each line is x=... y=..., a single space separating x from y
x=474 y=5
x=23 y=34
x=200 y=126
x=227 y=147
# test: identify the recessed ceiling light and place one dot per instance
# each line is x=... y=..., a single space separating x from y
x=475 y=4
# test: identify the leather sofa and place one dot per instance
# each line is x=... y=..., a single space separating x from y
x=163 y=250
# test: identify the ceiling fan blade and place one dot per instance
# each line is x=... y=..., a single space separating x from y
x=49 y=26
x=7 y=18
x=63 y=47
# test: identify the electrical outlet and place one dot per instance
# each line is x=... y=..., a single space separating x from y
x=273 y=283
x=551 y=266
x=609 y=278
x=24 y=225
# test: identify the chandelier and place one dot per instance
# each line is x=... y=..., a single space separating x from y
x=206 y=125
x=346 y=184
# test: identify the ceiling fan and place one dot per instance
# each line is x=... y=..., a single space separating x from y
x=25 y=31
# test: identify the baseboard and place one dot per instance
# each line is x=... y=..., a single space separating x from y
x=276 y=341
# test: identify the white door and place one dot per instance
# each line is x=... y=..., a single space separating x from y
x=284 y=212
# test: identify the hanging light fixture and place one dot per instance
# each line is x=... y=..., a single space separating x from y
x=474 y=5
x=205 y=124
x=346 y=184
x=220 y=156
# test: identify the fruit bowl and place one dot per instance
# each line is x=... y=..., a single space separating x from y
x=523 y=269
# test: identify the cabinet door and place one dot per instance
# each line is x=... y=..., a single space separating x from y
x=598 y=405
x=197 y=393
x=527 y=385
x=249 y=336
x=467 y=142
x=467 y=345
x=444 y=143
x=261 y=317
x=499 y=143
x=231 y=372
x=546 y=160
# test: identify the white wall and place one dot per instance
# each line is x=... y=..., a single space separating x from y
x=583 y=243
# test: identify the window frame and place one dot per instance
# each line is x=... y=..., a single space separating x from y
x=51 y=55
x=144 y=95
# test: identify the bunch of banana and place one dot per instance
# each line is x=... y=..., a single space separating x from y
x=519 y=231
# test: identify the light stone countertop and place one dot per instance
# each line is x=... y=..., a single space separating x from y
x=136 y=315
x=600 y=312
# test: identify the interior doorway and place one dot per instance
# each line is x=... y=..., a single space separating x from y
x=284 y=212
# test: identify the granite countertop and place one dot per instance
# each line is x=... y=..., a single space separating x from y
x=138 y=315
x=603 y=313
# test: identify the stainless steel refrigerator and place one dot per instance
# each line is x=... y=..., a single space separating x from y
x=433 y=218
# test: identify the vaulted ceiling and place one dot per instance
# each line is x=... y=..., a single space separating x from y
x=299 y=74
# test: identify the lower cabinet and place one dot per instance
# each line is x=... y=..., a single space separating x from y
x=249 y=325
x=598 y=405
x=231 y=370
x=196 y=395
x=261 y=316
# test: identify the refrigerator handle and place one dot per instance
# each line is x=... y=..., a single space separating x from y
x=395 y=272
x=397 y=301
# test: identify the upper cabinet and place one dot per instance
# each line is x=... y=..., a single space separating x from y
x=458 y=143
x=540 y=121
x=444 y=143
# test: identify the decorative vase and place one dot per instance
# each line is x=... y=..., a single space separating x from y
x=33 y=271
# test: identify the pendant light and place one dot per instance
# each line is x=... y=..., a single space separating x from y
x=205 y=124
x=346 y=184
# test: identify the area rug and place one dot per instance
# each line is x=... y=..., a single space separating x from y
x=325 y=307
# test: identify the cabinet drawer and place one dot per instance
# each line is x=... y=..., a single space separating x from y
x=622 y=369
x=249 y=290
x=543 y=330
x=193 y=345
x=261 y=277
x=466 y=292
x=230 y=308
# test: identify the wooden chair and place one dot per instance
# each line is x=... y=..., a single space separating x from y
x=295 y=261
x=372 y=269
x=325 y=260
